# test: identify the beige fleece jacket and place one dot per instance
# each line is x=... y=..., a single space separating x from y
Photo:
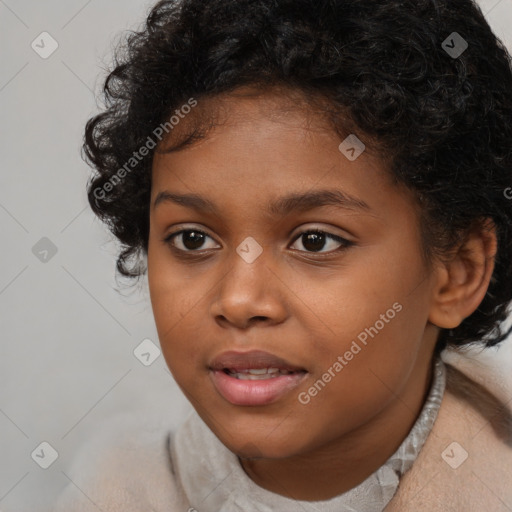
x=481 y=427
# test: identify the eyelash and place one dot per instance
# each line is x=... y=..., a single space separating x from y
x=345 y=244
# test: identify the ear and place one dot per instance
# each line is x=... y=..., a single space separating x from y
x=463 y=278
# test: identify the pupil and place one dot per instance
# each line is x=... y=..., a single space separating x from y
x=192 y=240
x=316 y=241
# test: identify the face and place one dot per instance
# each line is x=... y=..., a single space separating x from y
x=270 y=249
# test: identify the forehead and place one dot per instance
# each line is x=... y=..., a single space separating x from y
x=278 y=103
x=261 y=146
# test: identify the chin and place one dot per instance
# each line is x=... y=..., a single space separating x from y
x=252 y=446
x=253 y=434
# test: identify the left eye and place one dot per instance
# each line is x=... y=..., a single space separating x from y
x=315 y=240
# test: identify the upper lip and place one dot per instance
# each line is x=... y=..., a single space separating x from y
x=254 y=359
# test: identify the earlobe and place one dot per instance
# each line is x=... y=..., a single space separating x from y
x=463 y=280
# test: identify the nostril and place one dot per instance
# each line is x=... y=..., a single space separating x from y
x=258 y=318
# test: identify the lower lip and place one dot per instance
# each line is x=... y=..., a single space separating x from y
x=254 y=392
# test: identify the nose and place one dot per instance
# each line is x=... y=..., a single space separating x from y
x=249 y=294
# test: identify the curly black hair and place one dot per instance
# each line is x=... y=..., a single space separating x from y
x=426 y=79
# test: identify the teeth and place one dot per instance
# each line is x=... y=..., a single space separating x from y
x=248 y=376
x=259 y=373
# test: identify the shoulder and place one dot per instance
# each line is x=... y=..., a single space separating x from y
x=126 y=467
x=466 y=461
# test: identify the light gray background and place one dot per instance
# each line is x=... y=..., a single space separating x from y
x=68 y=336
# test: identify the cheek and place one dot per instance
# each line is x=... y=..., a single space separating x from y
x=172 y=296
x=172 y=313
x=368 y=300
x=356 y=380
x=166 y=296
x=374 y=318
x=179 y=312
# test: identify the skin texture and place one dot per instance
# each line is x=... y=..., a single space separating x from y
x=303 y=306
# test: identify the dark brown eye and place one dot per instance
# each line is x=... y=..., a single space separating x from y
x=313 y=241
x=316 y=240
x=188 y=240
x=192 y=239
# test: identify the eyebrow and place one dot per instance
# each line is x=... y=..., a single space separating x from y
x=280 y=207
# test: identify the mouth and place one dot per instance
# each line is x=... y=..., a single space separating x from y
x=254 y=378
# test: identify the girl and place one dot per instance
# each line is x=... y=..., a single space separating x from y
x=319 y=194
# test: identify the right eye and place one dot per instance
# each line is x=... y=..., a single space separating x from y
x=187 y=240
